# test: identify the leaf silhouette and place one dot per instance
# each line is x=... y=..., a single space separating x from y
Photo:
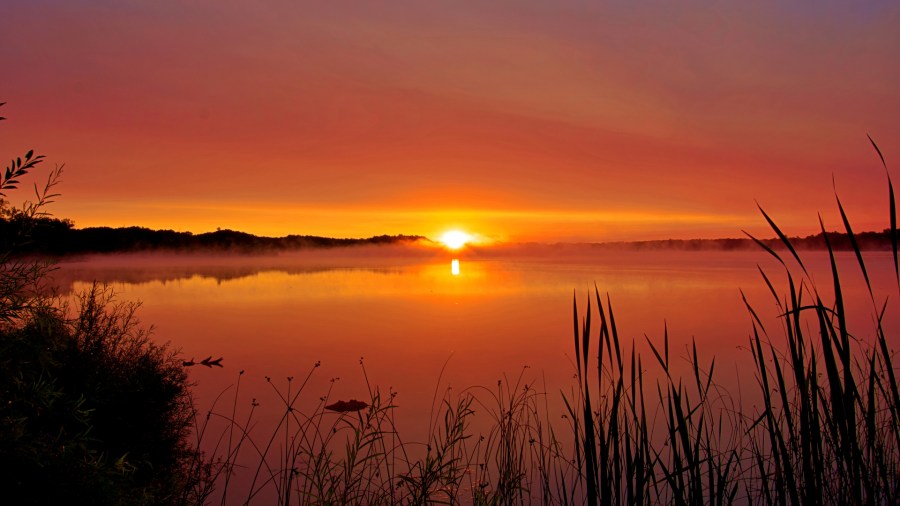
x=347 y=406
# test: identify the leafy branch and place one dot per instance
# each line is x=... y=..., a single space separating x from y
x=17 y=168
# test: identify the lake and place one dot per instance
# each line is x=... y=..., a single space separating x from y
x=426 y=322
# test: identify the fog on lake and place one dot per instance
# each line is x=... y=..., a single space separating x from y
x=424 y=324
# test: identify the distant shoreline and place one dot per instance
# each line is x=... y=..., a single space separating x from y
x=868 y=241
x=55 y=237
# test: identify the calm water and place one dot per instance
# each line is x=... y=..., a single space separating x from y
x=409 y=315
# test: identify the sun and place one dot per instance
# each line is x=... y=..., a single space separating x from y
x=455 y=239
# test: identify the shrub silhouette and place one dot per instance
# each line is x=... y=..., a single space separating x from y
x=91 y=410
x=93 y=407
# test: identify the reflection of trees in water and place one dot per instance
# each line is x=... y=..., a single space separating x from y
x=65 y=277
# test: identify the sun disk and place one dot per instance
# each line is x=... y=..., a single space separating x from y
x=455 y=239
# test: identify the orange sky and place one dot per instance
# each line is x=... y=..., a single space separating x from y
x=516 y=120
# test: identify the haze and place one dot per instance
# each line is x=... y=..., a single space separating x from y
x=522 y=121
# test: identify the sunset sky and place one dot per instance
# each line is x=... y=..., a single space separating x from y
x=515 y=120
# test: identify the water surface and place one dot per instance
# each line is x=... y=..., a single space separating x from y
x=426 y=323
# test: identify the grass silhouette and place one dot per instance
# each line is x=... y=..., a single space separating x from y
x=94 y=412
x=827 y=430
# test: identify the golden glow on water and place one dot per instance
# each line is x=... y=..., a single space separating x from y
x=407 y=317
x=421 y=331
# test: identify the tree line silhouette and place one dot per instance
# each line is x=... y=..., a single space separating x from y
x=59 y=237
x=54 y=236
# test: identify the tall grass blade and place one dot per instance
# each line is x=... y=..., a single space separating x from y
x=893 y=211
x=877 y=150
x=784 y=239
x=894 y=235
x=764 y=246
x=855 y=245
x=576 y=333
x=590 y=446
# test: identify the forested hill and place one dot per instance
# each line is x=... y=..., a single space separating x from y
x=52 y=236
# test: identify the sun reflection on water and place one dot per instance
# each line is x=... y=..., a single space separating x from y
x=454 y=267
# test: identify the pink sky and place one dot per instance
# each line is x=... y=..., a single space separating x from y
x=514 y=120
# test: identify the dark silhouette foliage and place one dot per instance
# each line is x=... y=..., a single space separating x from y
x=92 y=407
x=53 y=236
x=92 y=411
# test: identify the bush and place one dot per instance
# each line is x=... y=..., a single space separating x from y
x=91 y=410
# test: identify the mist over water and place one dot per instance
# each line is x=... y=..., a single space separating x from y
x=405 y=311
x=408 y=315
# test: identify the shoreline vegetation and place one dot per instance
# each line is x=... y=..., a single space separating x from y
x=56 y=237
x=635 y=430
x=93 y=411
x=60 y=238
